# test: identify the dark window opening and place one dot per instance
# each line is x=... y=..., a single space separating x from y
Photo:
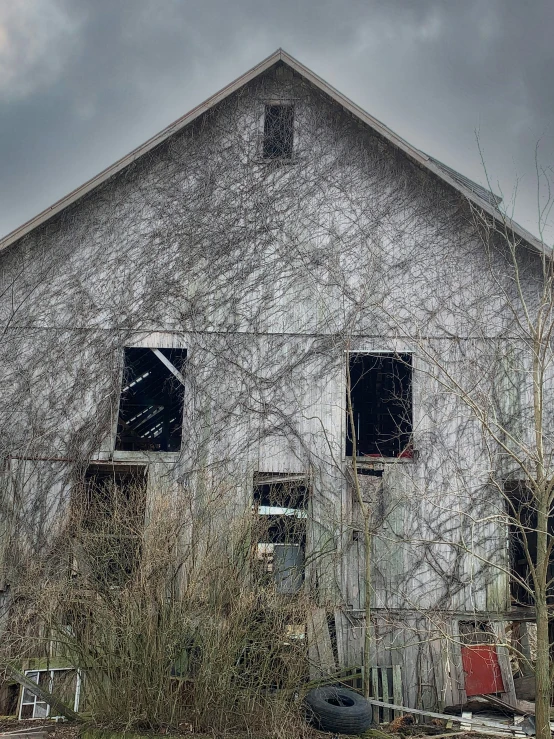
x=369 y=472
x=278 y=131
x=381 y=395
x=280 y=505
x=108 y=516
x=151 y=402
x=523 y=543
x=9 y=698
x=476 y=632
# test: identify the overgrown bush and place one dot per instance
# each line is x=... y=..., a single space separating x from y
x=170 y=627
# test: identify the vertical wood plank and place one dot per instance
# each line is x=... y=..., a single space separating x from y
x=430 y=682
x=504 y=663
x=441 y=677
x=410 y=653
x=522 y=635
x=387 y=716
x=458 y=680
x=397 y=687
x=375 y=691
x=320 y=650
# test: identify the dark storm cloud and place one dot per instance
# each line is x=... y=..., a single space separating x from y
x=84 y=81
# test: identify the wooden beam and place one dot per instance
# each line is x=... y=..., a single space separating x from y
x=509 y=693
x=268 y=479
x=320 y=650
x=171 y=367
x=445 y=716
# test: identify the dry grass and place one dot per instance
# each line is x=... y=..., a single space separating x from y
x=171 y=629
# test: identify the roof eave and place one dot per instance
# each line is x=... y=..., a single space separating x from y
x=483 y=205
x=415 y=154
x=135 y=154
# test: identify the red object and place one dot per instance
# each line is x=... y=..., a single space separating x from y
x=481 y=668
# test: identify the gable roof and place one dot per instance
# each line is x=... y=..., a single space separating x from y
x=481 y=197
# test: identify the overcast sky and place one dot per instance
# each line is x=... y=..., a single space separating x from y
x=82 y=82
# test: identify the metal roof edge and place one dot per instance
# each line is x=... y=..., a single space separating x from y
x=349 y=105
x=419 y=156
x=491 y=210
x=279 y=55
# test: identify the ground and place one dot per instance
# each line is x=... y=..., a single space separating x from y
x=69 y=730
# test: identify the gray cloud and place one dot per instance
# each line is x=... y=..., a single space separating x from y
x=84 y=81
x=37 y=39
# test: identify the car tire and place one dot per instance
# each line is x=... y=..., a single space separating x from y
x=339 y=710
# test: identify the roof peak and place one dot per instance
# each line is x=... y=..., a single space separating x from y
x=461 y=183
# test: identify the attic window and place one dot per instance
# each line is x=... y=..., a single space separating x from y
x=151 y=401
x=278 y=132
x=381 y=395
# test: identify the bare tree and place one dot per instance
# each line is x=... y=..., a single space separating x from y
x=497 y=374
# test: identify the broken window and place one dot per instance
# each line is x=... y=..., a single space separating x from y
x=523 y=524
x=280 y=505
x=278 y=131
x=381 y=396
x=476 y=632
x=522 y=636
x=151 y=402
x=109 y=508
x=65 y=683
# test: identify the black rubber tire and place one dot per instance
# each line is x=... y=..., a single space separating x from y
x=339 y=710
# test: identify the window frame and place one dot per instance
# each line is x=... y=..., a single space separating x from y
x=94 y=514
x=119 y=454
x=280 y=159
x=50 y=671
x=412 y=453
x=282 y=516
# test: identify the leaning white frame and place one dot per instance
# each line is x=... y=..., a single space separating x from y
x=51 y=671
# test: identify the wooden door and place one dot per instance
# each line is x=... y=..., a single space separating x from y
x=481 y=669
